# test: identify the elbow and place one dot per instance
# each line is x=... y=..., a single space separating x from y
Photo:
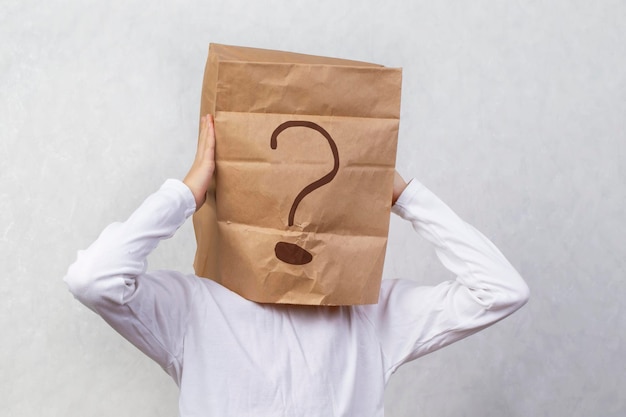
x=523 y=295
x=511 y=294
x=80 y=281
x=518 y=293
x=85 y=283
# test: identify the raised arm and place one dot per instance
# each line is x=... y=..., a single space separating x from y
x=110 y=277
x=412 y=320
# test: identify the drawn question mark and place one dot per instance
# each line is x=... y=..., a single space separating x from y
x=290 y=252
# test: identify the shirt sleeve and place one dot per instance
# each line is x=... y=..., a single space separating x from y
x=109 y=277
x=412 y=320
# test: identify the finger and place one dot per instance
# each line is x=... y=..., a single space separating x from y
x=210 y=138
x=203 y=123
x=202 y=135
x=210 y=128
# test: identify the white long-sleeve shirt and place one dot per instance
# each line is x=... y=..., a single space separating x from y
x=233 y=357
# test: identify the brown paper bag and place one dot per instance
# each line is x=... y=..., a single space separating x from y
x=305 y=155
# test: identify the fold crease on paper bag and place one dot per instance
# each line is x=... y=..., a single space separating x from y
x=323 y=182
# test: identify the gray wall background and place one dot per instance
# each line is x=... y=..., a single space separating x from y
x=512 y=111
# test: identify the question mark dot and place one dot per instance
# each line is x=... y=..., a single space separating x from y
x=292 y=254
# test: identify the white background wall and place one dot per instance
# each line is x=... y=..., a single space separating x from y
x=513 y=112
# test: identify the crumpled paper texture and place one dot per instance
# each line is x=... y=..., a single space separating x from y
x=341 y=224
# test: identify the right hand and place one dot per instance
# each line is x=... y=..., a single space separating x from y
x=398 y=187
x=201 y=172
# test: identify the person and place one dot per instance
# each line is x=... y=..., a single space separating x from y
x=233 y=357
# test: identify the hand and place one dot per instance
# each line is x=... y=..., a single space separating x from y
x=201 y=172
x=398 y=186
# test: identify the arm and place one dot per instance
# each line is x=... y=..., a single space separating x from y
x=148 y=309
x=413 y=320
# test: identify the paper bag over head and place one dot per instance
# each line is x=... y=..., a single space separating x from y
x=305 y=154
